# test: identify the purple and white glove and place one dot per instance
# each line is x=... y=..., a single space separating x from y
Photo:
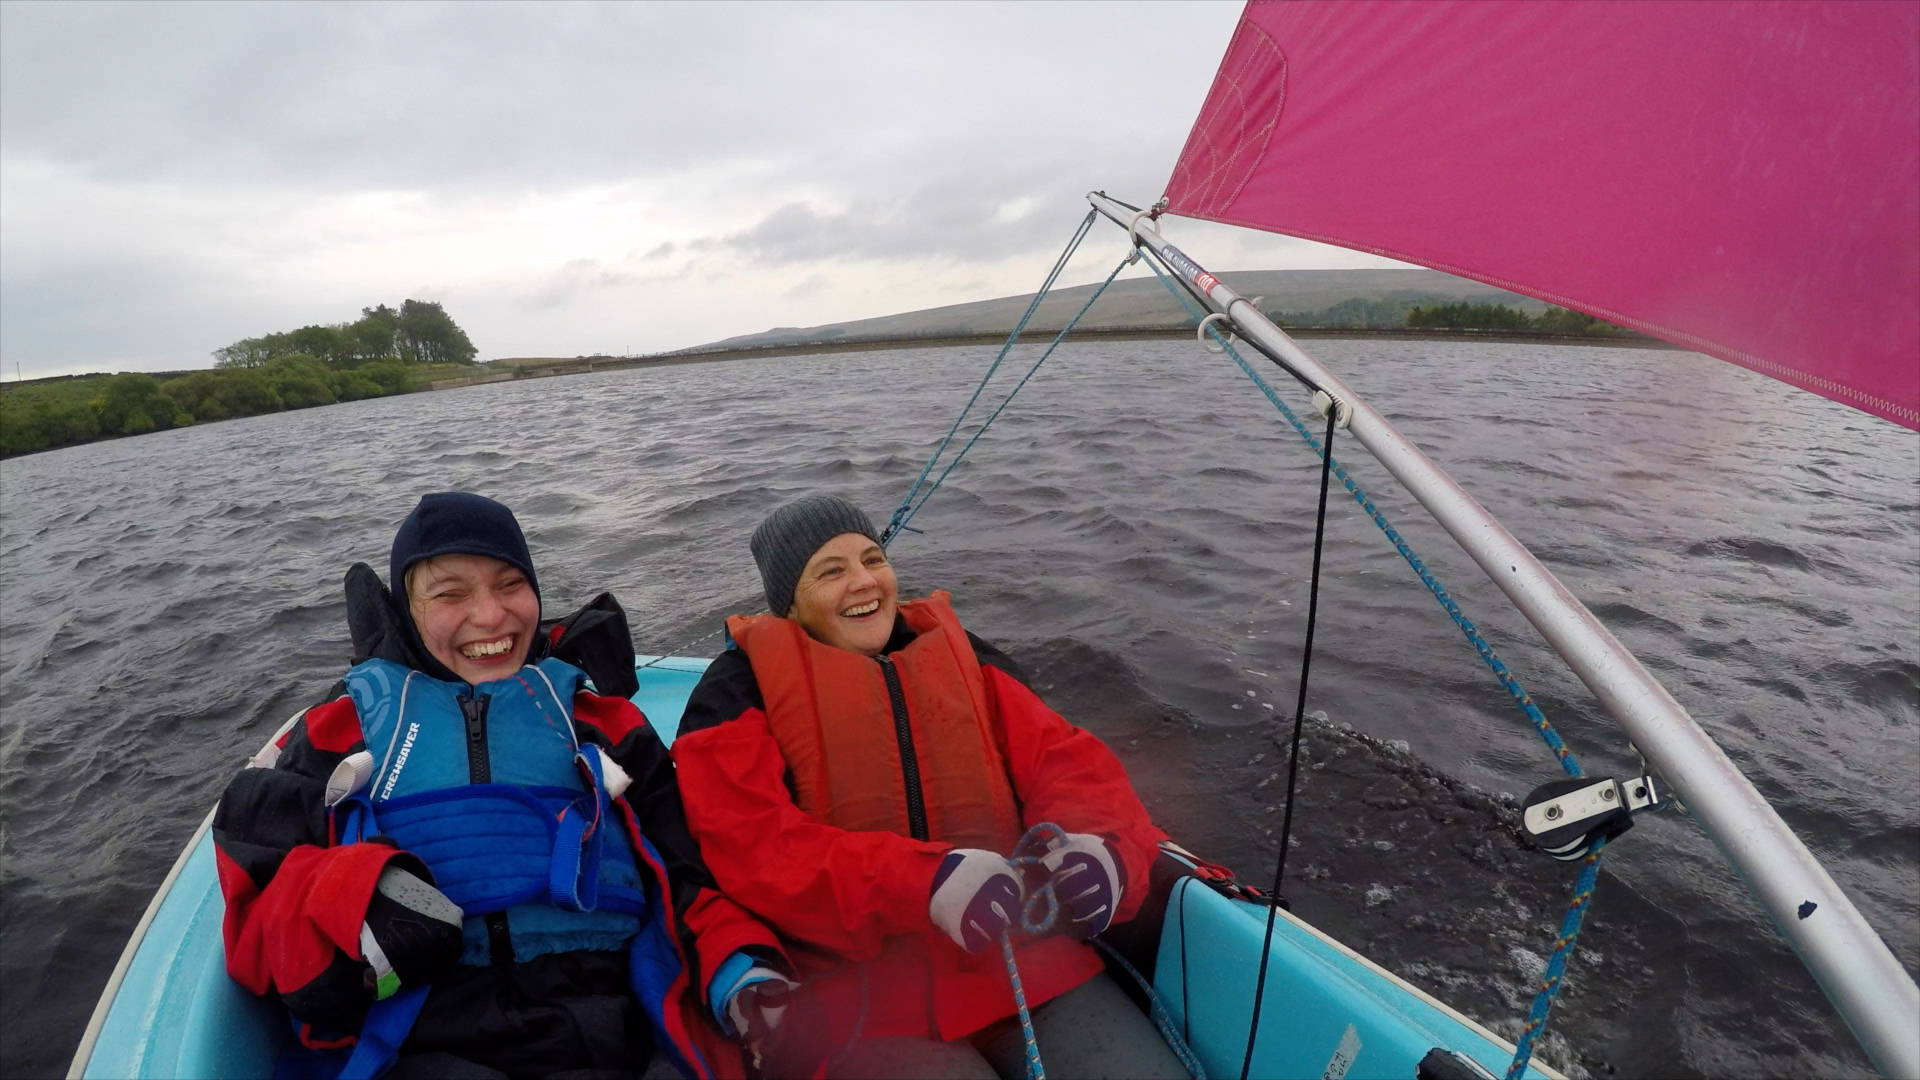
x=757 y=1002
x=755 y=1006
x=1086 y=879
x=976 y=897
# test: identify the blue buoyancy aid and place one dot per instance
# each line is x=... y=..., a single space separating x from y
x=535 y=836
x=540 y=839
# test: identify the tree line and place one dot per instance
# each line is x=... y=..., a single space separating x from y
x=1434 y=312
x=384 y=352
x=1465 y=316
x=420 y=332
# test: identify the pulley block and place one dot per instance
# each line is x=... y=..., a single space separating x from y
x=1565 y=818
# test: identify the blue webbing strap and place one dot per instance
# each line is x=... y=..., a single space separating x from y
x=573 y=881
x=389 y=1020
x=380 y=1037
x=352 y=819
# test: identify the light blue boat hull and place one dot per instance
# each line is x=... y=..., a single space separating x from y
x=1326 y=1012
x=171 y=1011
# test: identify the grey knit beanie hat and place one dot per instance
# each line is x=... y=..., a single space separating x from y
x=790 y=535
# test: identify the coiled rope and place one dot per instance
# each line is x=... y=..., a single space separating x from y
x=1552 y=979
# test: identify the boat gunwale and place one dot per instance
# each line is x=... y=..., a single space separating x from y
x=1399 y=982
x=90 y=1038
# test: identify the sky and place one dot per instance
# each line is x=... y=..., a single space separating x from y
x=571 y=178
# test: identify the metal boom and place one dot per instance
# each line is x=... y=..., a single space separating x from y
x=1860 y=975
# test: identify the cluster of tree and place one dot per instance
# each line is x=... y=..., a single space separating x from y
x=1437 y=312
x=420 y=332
x=60 y=412
x=1359 y=312
x=1464 y=316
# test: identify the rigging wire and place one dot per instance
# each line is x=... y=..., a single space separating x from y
x=908 y=508
x=1293 y=756
x=1521 y=698
x=1552 y=979
x=899 y=522
x=1583 y=892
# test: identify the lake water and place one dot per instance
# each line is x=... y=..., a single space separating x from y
x=1136 y=531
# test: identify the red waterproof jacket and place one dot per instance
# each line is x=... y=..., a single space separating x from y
x=852 y=904
x=294 y=903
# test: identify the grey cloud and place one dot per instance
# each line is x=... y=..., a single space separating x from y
x=957 y=217
x=479 y=95
x=144 y=314
x=578 y=277
x=769 y=133
x=814 y=285
x=575 y=279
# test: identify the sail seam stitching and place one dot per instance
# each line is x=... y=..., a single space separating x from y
x=1203 y=193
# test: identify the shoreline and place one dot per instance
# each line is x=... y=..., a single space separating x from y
x=701 y=355
x=583 y=365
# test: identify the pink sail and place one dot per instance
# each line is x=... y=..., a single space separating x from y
x=1739 y=178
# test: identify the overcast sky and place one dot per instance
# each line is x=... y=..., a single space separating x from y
x=570 y=179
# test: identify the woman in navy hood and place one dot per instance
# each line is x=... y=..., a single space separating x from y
x=460 y=565
x=391 y=864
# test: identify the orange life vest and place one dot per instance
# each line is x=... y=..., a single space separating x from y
x=857 y=754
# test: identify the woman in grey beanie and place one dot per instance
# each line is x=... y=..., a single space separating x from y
x=857 y=770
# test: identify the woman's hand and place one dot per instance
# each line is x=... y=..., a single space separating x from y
x=1086 y=877
x=412 y=933
x=756 y=1006
x=976 y=897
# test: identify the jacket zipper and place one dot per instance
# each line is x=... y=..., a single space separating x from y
x=480 y=771
x=909 y=764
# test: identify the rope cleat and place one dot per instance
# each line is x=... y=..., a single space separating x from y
x=1567 y=818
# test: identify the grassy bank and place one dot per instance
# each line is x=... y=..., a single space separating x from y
x=43 y=414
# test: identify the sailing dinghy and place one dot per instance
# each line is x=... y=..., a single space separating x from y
x=171 y=1011
x=1739 y=178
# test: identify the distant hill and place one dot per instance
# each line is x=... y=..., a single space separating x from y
x=1145 y=303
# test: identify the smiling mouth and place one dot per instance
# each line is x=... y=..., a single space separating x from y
x=861 y=610
x=487 y=650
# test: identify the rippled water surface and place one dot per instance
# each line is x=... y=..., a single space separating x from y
x=1137 y=532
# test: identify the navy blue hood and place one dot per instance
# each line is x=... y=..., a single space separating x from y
x=453 y=523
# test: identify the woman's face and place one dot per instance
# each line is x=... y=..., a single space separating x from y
x=847 y=595
x=475 y=615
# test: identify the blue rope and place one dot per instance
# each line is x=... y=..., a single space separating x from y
x=907 y=509
x=1027 y=857
x=1036 y=1070
x=1552 y=980
x=1158 y=1009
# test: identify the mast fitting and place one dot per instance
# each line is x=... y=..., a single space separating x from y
x=1323 y=402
